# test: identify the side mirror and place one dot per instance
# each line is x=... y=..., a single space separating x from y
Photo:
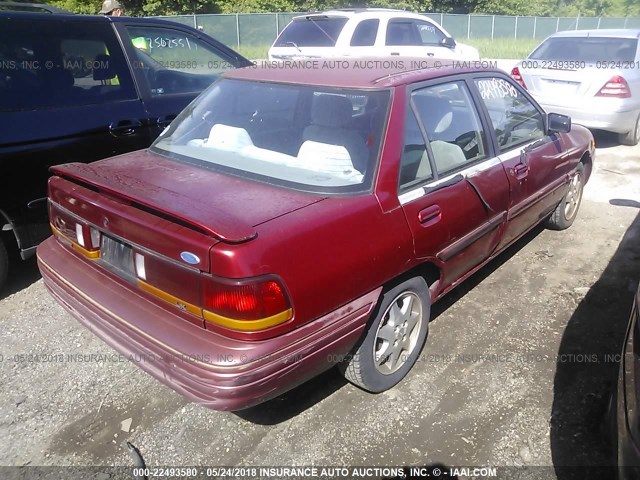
x=557 y=123
x=448 y=42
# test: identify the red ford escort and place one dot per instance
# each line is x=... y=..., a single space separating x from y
x=293 y=219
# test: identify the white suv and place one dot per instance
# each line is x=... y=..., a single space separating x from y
x=367 y=32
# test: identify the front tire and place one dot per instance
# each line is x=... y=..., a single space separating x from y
x=567 y=210
x=393 y=340
x=633 y=137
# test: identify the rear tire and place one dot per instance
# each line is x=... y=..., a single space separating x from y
x=393 y=340
x=567 y=210
x=633 y=137
x=4 y=264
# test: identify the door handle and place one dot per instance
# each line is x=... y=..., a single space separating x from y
x=520 y=171
x=430 y=215
x=165 y=120
x=430 y=54
x=395 y=53
x=124 y=128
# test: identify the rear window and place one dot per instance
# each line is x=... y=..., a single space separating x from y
x=587 y=49
x=312 y=31
x=315 y=139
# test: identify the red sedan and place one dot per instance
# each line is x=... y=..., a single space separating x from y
x=293 y=219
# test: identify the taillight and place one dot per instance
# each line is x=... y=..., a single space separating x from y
x=616 y=87
x=248 y=305
x=73 y=231
x=515 y=73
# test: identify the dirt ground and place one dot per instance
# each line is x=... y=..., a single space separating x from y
x=517 y=369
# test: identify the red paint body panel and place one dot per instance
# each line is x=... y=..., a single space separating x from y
x=214 y=203
x=332 y=253
x=206 y=367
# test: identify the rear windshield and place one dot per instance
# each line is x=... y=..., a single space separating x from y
x=311 y=31
x=315 y=139
x=587 y=49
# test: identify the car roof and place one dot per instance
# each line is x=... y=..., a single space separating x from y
x=605 y=32
x=360 y=73
x=365 y=13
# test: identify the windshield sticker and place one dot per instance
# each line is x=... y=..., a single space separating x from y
x=496 y=88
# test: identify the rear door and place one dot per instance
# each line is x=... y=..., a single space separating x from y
x=411 y=37
x=66 y=95
x=172 y=66
x=453 y=190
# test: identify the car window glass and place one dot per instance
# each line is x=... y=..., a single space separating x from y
x=365 y=33
x=452 y=125
x=174 y=61
x=587 y=49
x=515 y=119
x=310 y=138
x=311 y=32
x=402 y=33
x=414 y=164
x=429 y=33
x=47 y=64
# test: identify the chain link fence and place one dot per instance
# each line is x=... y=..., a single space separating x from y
x=246 y=29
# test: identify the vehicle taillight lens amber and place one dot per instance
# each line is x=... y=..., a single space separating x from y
x=515 y=73
x=254 y=304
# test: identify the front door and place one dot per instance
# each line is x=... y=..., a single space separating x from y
x=532 y=159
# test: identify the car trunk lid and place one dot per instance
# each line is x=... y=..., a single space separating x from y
x=169 y=207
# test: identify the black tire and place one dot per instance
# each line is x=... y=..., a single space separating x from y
x=567 y=210
x=633 y=137
x=4 y=264
x=361 y=367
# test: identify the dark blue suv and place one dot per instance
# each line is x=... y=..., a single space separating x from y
x=77 y=88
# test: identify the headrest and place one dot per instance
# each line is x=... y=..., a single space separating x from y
x=331 y=111
x=102 y=68
x=225 y=137
x=435 y=112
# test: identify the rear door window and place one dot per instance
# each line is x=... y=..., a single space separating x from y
x=365 y=33
x=49 y=64
x=312 y=31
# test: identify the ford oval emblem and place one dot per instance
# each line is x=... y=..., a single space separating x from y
x=190 y=258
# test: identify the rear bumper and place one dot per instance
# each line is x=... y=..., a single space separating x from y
x=596 y=118
x=204 y=366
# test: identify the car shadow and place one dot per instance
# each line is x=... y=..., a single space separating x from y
x=587 y=365
x=294 y=402
x=22 y=273
x=605 y=139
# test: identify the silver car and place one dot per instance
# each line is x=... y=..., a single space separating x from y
x=591 y=75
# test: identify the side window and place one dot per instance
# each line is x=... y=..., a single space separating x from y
x=365 y=33
x=515 y=119
x=402 y=33
x=414 y=164
x=58 y=64
x=429 y=33
x=174 y=61
x=452 y=124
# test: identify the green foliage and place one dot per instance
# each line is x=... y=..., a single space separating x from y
x=496 y=7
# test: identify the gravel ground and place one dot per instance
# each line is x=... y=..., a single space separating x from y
x=516 y=371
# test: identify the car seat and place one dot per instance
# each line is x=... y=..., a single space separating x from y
x=331 y=117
